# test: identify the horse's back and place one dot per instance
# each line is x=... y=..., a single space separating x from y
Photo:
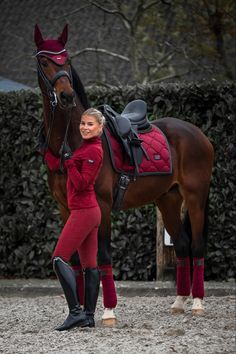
x=180 y=132
x=190 y=147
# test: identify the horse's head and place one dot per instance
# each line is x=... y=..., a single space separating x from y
x=54 y=68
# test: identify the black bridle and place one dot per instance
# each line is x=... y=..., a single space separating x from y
x=50 y=86
x=51 y=83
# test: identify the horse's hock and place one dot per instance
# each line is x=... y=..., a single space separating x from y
x=165 y=255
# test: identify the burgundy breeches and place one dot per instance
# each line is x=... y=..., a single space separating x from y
x=80 y=234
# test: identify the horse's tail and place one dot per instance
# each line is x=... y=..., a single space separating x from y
x=188 y=230
x=206 y=225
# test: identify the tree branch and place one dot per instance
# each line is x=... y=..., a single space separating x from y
x=99 y=50
x=170 y=77
x=148 y=6
x=68 y=13
x=113 y=12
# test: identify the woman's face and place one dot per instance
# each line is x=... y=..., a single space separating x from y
x=89 y=127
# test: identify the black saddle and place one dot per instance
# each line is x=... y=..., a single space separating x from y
x=136 y=113
x=126 y=126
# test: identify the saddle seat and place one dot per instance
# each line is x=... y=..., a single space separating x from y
x=125 y=127
x=136 y=113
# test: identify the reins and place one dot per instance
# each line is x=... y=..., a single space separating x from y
x=65 y=140
x=53 y=103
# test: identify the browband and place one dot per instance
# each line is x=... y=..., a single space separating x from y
x=49 y=52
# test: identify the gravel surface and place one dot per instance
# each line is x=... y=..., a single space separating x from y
x=145 y=325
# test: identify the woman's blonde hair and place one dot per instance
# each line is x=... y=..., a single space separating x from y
x=97 y=114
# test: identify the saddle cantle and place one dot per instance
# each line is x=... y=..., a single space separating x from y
x=136 y=113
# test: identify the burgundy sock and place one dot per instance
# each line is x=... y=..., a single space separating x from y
x=80 y=282
x=183 y=276
x=108 y=287
x=198 y=278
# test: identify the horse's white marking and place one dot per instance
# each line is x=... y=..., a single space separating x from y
x=108 y=314
x=178 y=305
x=109 y=318
x=198 y=308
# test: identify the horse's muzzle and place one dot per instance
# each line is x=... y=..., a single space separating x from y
x=67 y=99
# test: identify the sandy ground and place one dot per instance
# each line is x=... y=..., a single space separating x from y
x=145 y=325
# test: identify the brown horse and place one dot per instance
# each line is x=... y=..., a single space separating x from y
x=64 y=100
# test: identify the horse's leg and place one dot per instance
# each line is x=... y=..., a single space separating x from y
x=170 y=207
x=105 y=267
x=196 y=204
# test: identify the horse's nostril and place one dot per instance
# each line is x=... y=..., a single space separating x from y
x=67 y=97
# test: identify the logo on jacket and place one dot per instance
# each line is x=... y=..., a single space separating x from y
x=91 y=161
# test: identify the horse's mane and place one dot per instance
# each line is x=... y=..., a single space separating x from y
x=79 y=88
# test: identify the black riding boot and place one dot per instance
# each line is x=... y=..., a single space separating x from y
x=92 y=281
x=66 y=276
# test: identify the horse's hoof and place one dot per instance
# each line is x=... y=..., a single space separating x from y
x=109 y=318
x=178 y=306
x=197 y=308
x=176 y=311
x=198 y=312
x=109 y=322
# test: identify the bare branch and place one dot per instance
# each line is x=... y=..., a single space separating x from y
x=113 y=12
x=99 y=50
x=161 y=62
x=68 y=13
x=174 y=76
x=148 y=6
x=166 y=57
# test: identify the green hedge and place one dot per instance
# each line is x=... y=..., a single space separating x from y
x=30 y=222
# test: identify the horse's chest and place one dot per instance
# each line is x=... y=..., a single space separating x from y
x=57 y=184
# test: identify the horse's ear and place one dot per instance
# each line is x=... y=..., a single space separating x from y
x=64 y=35
x=38 y=38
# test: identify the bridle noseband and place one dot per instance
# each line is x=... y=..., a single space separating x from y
x=51 y=83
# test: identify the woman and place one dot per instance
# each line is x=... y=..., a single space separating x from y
x=80 y=231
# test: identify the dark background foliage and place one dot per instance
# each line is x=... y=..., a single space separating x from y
x=29 y=219
x=118 y=42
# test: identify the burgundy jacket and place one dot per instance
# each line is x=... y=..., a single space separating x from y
x=82 y=170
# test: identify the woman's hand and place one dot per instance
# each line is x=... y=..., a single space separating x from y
x=65 y=151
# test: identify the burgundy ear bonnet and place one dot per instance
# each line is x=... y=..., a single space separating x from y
x=53 y=49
